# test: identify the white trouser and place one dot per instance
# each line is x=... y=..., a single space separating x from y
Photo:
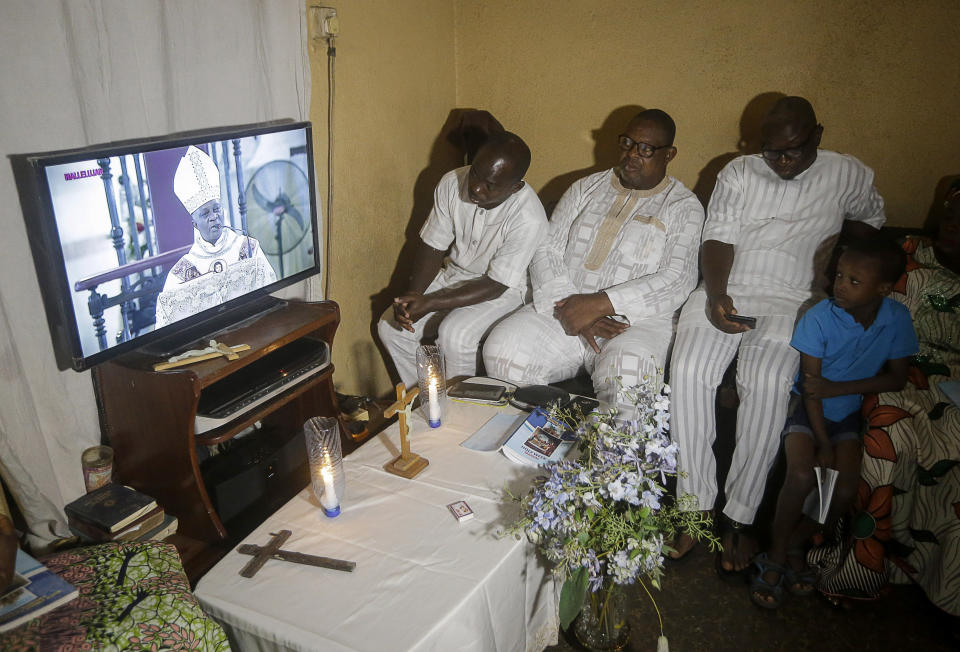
x=459 y=333
x=529 y=348
x=766 y=369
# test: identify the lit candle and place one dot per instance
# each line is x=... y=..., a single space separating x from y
x=329 y=502
x=433 y=402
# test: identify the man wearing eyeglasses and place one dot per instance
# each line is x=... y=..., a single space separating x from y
x=771 y=218
x=619 y=258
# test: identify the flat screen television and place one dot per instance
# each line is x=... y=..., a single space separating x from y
x=162 y=241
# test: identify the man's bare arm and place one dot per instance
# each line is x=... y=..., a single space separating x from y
x=466 y=294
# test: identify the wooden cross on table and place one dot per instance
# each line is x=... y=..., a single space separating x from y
x=272 y=551
x=408 y=464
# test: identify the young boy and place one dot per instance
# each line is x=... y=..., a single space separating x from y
x=855 y=343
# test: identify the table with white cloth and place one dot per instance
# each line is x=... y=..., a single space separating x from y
x=423 y=580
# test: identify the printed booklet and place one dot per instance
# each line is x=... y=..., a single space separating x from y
x=538 y=440
x=817 y=504
x=34 y=591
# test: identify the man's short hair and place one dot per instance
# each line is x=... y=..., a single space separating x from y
x=510 y=147
x=887 y=254
x=793 y=109
x=662 y=119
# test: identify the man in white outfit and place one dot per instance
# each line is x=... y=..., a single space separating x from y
x=619 y=258
x=770 y=218
x=488 y=222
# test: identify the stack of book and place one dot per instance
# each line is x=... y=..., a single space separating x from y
x=115 y=512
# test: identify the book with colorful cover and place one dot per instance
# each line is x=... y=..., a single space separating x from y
x=42 y=591
x=111 y=508
x=541 y=438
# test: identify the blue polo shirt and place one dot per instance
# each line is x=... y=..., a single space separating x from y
x=847 y=351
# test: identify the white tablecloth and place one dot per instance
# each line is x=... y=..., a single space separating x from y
x=423 y=581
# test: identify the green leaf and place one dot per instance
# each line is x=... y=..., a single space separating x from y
x=571 y=596
x=937 y=411
x=583 y=537
x=928 y=477
x=923 y=536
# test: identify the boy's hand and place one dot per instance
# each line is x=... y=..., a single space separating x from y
x=817 y=386
x=825 y=454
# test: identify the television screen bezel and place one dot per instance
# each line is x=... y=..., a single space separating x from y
x=43 y=234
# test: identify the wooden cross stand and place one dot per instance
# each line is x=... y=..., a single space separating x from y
x=272 y=551
x=408 y=464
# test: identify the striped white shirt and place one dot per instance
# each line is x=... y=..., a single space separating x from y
x=640 y=246
x=777 y=226
x=497 y=242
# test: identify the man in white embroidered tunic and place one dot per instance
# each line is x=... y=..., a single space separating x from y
x=619 y=258
x=490 y=222
x=770 y=218
x=221 y=264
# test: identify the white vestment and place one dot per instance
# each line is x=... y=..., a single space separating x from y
x=497 y=243
x=782 y=232
x=211 y=274
x=637 y=246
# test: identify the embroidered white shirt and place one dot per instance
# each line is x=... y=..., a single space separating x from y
x=640 y=246
x=497 y=242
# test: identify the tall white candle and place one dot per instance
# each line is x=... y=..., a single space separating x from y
x=433 y=401
x=329 y=499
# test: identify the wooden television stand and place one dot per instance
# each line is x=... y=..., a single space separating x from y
x=148 y=418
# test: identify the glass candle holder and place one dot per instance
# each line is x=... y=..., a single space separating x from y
x=432 y=377
x=97 y=464
x=322 y=435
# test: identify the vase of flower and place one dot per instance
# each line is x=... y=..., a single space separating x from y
x=599 y=517
x=602 y=625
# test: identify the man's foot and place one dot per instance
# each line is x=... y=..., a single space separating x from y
x=739 y=545
x=682 y=546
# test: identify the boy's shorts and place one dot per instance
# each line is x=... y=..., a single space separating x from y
x=847 y=429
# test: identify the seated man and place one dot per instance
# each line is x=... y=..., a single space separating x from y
x=490 y=222
x=620 y=257
x=769 y=214
x=222 y=264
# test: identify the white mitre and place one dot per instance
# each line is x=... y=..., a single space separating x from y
x=197 y=180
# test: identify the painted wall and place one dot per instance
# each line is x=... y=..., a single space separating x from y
x=884 y=77
x=394 y=90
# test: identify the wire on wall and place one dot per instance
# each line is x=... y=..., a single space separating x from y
x=331 y=90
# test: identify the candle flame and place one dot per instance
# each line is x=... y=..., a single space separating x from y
x=326 y=473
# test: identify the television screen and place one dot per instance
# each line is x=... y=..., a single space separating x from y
x=135 y=241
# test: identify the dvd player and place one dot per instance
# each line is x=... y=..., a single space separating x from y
x=260 y=381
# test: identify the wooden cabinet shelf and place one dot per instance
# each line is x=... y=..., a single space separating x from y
x=148 y=417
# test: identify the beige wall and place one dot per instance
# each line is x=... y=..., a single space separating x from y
x=394 y=89
x=884 y=77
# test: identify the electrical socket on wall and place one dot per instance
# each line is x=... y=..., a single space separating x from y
x=325 y=22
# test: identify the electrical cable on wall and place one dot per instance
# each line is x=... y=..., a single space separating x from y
x=331 y=90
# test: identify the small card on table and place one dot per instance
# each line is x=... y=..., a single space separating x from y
x=461 y=510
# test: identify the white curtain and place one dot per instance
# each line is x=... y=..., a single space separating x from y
x=81 y=72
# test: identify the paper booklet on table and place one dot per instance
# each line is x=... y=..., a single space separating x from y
x=38 y=591
x=538 y=440
x=817 y=504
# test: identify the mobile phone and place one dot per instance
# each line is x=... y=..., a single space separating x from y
x=740 y=319
x=477 y=392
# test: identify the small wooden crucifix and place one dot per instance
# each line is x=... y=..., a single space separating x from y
x=408 y=464
x=272 y=551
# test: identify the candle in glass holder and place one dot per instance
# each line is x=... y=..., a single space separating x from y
x=433 y=402
x=329 y=502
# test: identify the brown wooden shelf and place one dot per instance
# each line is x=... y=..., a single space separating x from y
x=148 y=417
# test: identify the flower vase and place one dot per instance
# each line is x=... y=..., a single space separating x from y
x=602 y=624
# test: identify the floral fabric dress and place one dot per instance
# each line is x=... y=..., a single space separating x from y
x=906 y=522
